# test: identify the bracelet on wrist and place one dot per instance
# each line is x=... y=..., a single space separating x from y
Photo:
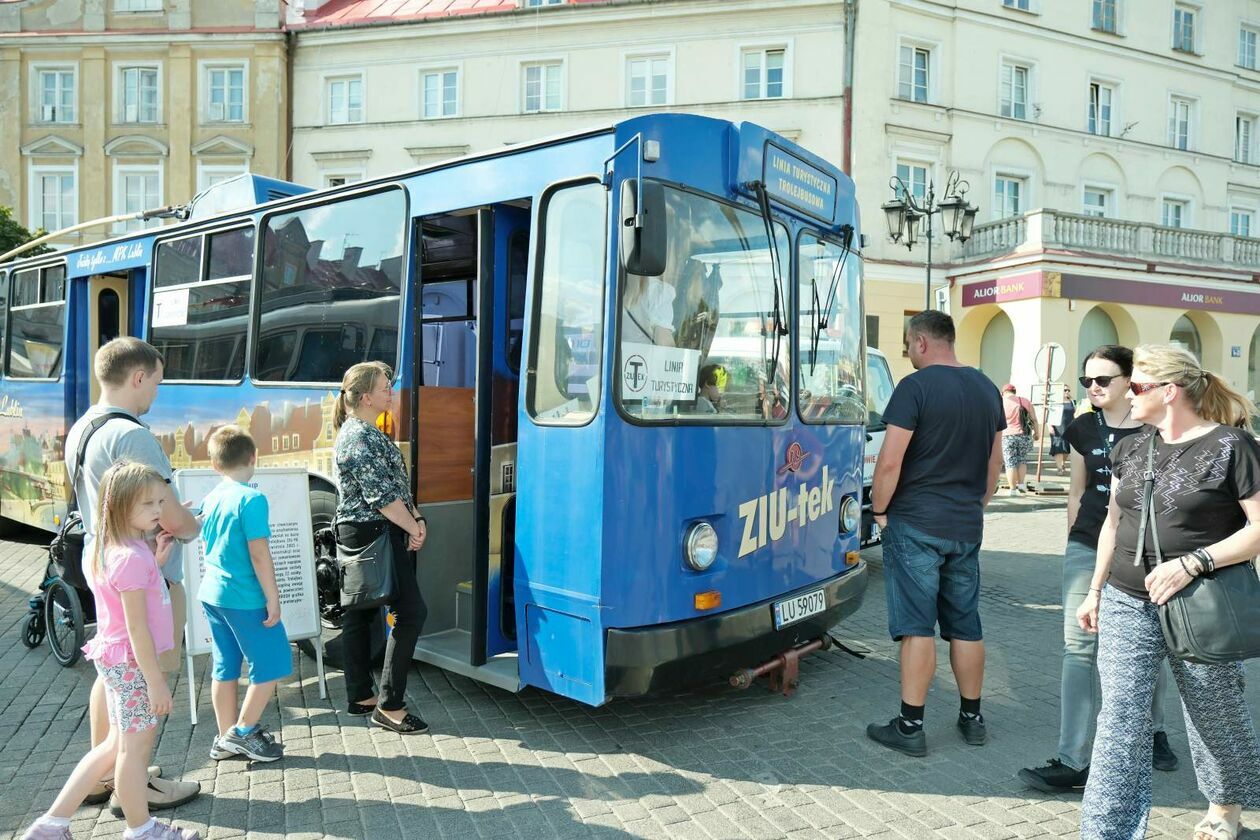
x=883 y=512
x=1092 y=589
x=1205 y=557
x=1186 y=567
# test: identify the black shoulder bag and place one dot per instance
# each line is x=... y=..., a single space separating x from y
x=66 y=548
x=367 y=572
x=1216 y=618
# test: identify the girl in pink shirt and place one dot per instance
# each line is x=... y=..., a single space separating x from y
x=134 y=625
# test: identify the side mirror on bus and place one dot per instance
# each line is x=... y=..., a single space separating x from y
x=643 y=247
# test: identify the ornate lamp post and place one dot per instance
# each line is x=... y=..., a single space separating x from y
x=905 y=212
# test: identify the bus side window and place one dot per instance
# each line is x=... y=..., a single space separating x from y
x=201 y=288
x=331 y=277
x=518 y=265
x=4 y=311
x=37 y=323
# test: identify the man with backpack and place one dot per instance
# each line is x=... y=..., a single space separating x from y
x=1017 y=439
x=129 y=371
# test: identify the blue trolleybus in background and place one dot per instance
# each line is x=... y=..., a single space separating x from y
x=629 y=385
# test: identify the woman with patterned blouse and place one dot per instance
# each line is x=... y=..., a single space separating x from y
x=374 y=496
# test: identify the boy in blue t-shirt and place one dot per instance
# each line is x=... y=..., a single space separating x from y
x=242 y=603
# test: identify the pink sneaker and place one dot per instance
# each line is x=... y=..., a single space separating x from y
x=40 y=831
x=166 y=831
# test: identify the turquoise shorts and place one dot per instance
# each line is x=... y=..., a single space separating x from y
x=239 y=636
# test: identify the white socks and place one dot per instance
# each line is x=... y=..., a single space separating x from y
x=142 y=831
x=53 y=822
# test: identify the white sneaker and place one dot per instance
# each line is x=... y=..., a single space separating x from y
x=217 y=751
x=1012 y=492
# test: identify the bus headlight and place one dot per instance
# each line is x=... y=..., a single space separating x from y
x=701 y=546
x=850 y=515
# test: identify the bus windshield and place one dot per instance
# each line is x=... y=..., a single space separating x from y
x=830 y=330
x=699 y=341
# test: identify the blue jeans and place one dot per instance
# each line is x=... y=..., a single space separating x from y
x=930 y=580
x=1079 y=696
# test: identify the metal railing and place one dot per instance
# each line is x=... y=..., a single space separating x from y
x=1071 y=231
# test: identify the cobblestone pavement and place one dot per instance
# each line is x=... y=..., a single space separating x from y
x=714 y=763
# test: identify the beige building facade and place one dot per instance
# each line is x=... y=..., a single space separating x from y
x=117 y=106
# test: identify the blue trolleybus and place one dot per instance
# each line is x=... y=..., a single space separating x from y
x=629 y=385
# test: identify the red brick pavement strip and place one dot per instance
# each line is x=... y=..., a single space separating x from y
x=713 y=763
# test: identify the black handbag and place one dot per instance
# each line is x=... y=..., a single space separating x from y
x=66 y=549
x=367 y=572
x=1215 y=619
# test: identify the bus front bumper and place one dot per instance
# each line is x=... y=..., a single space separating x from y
x=639 y=661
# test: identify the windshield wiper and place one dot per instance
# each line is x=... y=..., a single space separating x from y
x=824 y=314
x=780 y=328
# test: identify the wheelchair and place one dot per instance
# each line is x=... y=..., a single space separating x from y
x=64 y=605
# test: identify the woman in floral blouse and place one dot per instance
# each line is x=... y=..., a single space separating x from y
x=374 y=496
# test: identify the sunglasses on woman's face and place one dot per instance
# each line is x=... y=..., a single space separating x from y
x=1140 y=388
x=1103 y=381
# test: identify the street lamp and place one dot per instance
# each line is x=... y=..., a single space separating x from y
x=904 y=213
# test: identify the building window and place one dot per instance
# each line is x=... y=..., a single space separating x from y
x=647 y=80
x=1244 y=138
x=137 y=5
x=1097 y=202
x=1185 y=20
x=55 y=95
x=208 y=176
x=1015 y=91
x=543 y=88
x=226 y=89
x=764 y=74
x=345 y=99
x=138 y=102
x=915 y=178
x=439 y=93
x=1100 y=99
x=1008 y=196
x=912 y=73
x=872 y=331
x=1240 y=221
x=340 y=179
x=1175 y=213
x=136 y=188
x=906 y=315
x=531 y=4
x=1104 y=19
x=1022 y=5
x=1179 y=123
x=1247 y=47
x=54 y=201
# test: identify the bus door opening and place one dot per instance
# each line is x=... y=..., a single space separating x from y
x=108 y=309
x=469 y=351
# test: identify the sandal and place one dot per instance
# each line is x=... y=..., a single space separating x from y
x=1210 y=829
x=411 y=725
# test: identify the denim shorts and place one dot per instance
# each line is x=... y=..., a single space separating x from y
x=930 y=580
x=238 y=636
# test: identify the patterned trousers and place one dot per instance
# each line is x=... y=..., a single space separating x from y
x=1222 y=738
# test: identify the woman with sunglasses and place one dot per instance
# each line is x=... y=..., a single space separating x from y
x=1207 y=494
x=1092 y=437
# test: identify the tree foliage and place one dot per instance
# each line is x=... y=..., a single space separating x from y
x=13 y=233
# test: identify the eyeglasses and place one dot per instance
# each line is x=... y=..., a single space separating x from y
x=1103 y=381
x=1140 y=388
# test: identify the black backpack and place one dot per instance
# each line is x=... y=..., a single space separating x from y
x=66 y=549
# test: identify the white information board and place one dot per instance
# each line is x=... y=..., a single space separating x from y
x=292 y=552
x=651 y=372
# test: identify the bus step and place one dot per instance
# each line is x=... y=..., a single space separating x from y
x=783 y=670
x=464 y=606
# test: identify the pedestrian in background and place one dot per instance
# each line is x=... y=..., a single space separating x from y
x=936 y=471
x=1020 y=431
x=1091 y=438
x=1206 y=496
x=1059 y=447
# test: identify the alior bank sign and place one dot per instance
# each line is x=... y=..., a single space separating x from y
x=1041 y=284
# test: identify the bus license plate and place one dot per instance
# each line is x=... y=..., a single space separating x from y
x=802 y=606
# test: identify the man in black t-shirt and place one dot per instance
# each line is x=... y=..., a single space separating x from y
x=936 y=471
